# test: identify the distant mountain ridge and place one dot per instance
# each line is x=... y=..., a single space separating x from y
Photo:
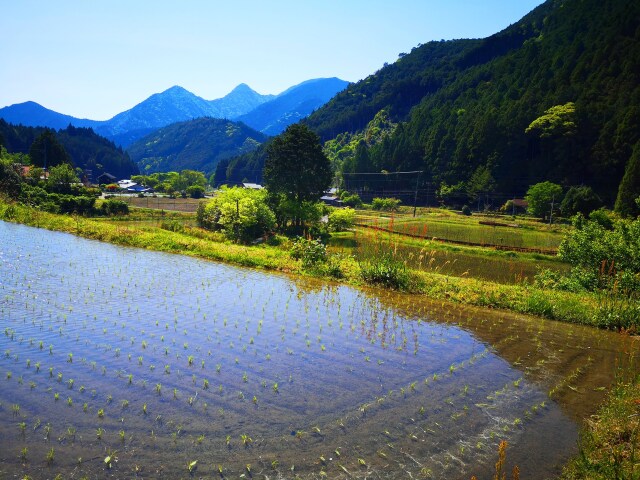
x=292 y=105
x=177 y=104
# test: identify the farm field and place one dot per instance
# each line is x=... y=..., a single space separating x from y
x=460 y=261
x=119 y=362
x=449 y=226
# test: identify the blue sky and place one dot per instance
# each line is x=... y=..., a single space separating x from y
x=93 y=59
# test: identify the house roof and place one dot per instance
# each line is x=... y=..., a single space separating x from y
x=254 y=186
x=520 y=202
x=107 y=175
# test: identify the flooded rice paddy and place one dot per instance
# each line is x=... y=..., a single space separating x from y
x=123 y=363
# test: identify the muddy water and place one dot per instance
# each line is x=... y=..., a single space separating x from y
x=160 y=361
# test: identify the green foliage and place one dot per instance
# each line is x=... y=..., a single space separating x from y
x=311 y=252
x=56 y=202
x=296 y=166
x=46 y=151
x=114 y=206
x=198 y=144
x=627 y=201
x=350 y=199
x=603 y=217
x=386 y=204
x=195 y=191
x=568 y=72
x=540 y=196
x=341 y=219
x=62 y=178
x=296 y=174
x=466 y=210
x=9 y=176
x=387 y=271
x=580 y=200
x=557 y=121
x=241 y=214
x=604 y=258
x=84 y=149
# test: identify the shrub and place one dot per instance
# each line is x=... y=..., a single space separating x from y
x=387 y=271
x=311 y=252
x=341 y=219
x=386 y=204
x=113 y=206
x=351 y=200
x=195 y=191
x=466 y=210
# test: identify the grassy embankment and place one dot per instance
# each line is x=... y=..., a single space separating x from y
x=609 y=441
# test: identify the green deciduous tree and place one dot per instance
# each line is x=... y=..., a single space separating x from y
x=629 y=189
x=61 y=178
x=541 y=196
x=241 y=214
x=296 y=170
x=559 y=120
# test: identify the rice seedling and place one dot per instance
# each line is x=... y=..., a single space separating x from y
x=50 y=457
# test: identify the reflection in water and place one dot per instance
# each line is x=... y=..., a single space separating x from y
x=161 y=360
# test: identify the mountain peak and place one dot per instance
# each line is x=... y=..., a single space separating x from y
x=243 y=88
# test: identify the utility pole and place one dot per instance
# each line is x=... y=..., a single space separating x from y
x=415 y=196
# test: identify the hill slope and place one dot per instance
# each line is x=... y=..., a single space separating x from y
x=196 y=144
x=465 y=105
x=88 y=150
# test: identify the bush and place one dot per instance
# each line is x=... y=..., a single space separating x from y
x=341 y=219
x=386 y=204
x=113 y=206
x=311 y=252
x=604 y=217
x=351 y=200
x=604 y=258
x=195 y=191
x=386 y=271
x=466 y=210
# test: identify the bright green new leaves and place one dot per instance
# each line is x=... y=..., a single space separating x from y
x=541 y=196
x=559 y=120
x=242 y=214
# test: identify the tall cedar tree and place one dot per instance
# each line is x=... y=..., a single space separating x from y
x=296 y=166
x=46 y=151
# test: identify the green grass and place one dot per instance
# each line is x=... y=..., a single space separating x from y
x=448 y=226
x=609 y=440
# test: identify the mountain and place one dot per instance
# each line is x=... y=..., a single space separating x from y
x=292 y=105
x=554 y=96
x=239 y=101
x=197 y=144
x=178 y=105
x=87 y=150
x=173 y=105
x=33 y=114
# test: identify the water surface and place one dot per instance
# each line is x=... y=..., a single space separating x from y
x=161 y=360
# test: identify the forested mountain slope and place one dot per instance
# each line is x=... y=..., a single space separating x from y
x=466 y=108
